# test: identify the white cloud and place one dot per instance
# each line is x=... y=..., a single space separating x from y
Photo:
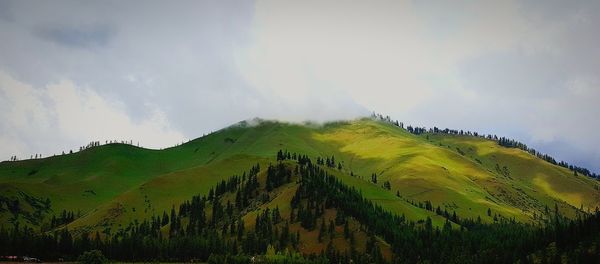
x=389 y=56
x=43 y=119
x=504 y=67
x=516 y=68
x=23 y=116
x=301 y=51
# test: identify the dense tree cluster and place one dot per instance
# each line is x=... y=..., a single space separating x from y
x=416 y=130
x=328 y=161
x=475 y=242
x=311 y=199
x=64 y=218
x=30 y=208
x=283 y=155
x=210 y=228
x=178 y=236
x=303 y=159
x=277 y=175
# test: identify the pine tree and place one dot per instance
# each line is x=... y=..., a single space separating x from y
x=322 y=230
x=165 y=219
x=331 y=229
x=346 y=230
x=240 y=229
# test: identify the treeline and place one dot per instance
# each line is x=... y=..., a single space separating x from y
x=505 y=241
x=205 y=228
x=502 y=141
x=90 y=145
x=303 y=159
x=211 y=228
x=510 y=143
x=318 y=192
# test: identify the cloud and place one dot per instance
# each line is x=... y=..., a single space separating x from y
x=177 y=56
x=514 y=68
x=71 y=116
x=510 y=68
x=93 y=36
x=353 y=50
x=23 y=114
x=389 y=56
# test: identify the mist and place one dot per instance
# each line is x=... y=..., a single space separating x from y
x=163 y=73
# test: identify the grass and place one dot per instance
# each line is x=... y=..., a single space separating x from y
x=114 y=184
x=541 y=181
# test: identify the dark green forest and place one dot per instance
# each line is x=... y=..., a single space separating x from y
x=205 y=228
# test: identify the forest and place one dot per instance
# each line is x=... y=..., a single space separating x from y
x=211 y=228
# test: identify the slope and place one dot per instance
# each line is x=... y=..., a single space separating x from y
x=113 y=184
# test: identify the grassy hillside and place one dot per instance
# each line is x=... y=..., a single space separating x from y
x=111 y=185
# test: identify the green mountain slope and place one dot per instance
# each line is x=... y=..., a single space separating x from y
x=111 y=185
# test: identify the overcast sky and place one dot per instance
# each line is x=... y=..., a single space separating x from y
x=161 y=73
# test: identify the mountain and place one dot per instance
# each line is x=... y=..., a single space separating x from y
x=442 y=179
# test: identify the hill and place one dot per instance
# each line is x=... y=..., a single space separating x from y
x=438 y=178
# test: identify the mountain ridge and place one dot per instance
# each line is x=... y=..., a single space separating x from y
x=442 y=177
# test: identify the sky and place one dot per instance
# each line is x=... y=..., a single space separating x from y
x=161 y=73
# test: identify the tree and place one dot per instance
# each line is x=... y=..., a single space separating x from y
x=165 y=219
x=270 y=250
x=331 y=229
x=92 y=257
x=346 y=230
x=65 y=244
x=240 y=229
x=506 y=240
x=322 y=230
x=285 y=233
x=387 y=185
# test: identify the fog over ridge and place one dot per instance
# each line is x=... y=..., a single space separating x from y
x=162 y=73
